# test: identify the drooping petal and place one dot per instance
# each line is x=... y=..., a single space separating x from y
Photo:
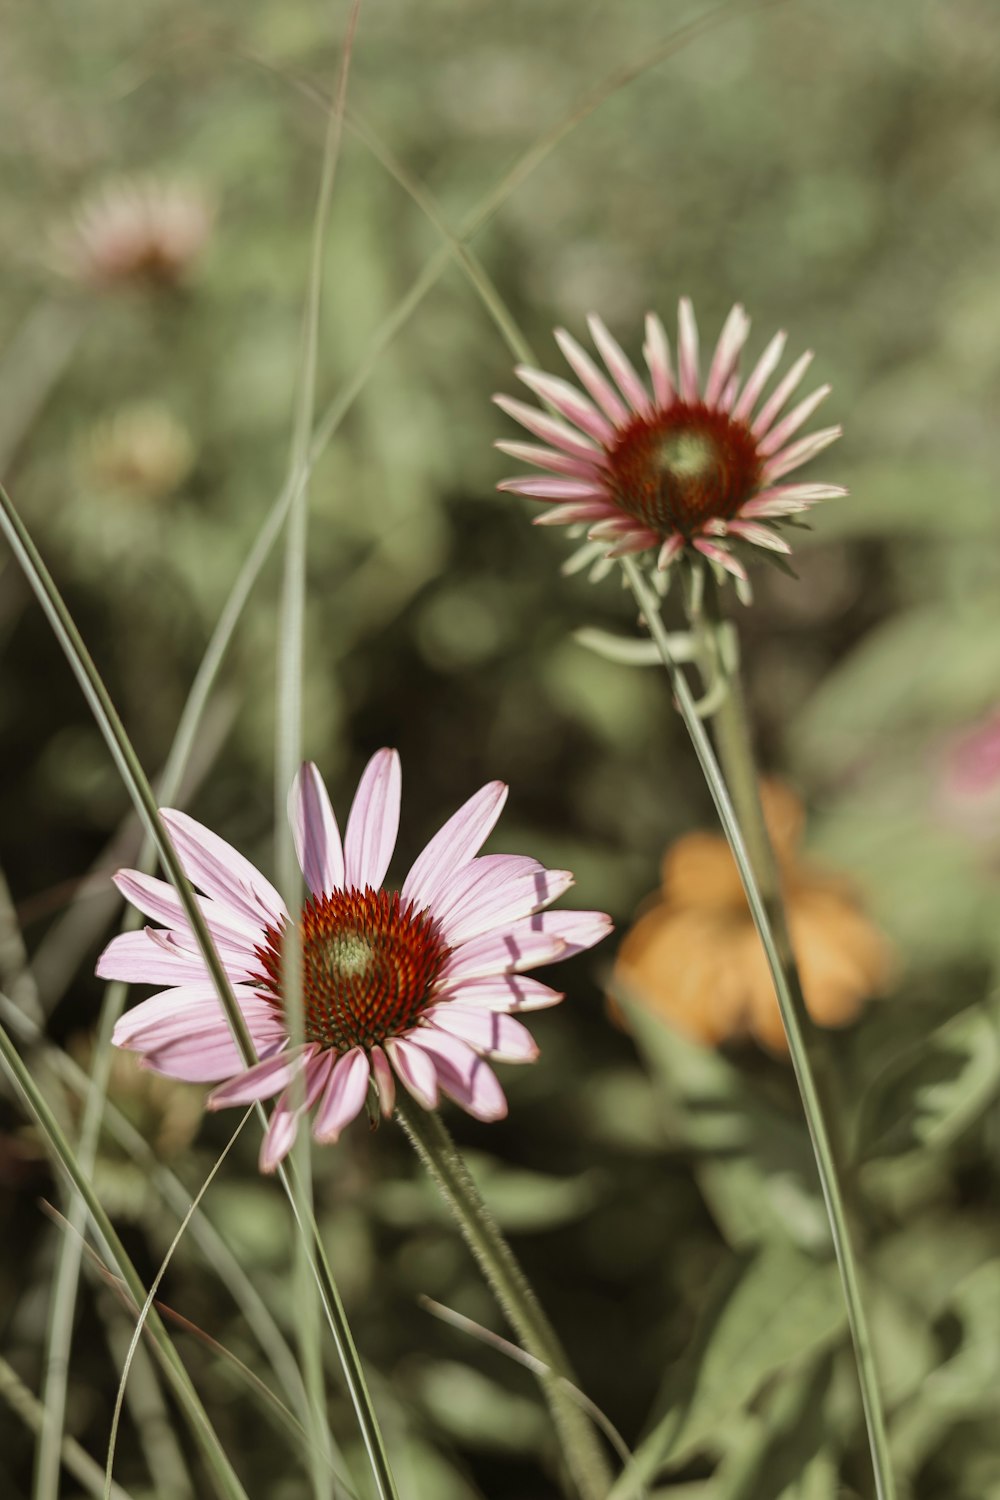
x=220 y=871
x=718 y=554
x=343 y=1096
x=462 y=1074
x=262 y=1081
x=373 y=822
x=162 y=1016
x=316 y=833
x=586 y=511
x=204 y=1053
x=294 y=1103
x=456 y=842
x=415 y=1069
x=150 y=957
x=672 y=548
x=385 y=1082
x=760 y=536
x=493 y=1033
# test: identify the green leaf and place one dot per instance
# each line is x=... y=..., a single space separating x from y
x=935 y=1090
x=777 y=1309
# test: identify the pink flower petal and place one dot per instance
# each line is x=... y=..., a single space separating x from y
x=499 y=900
x=415 y=1069
x=462 y=1075
x=493 y=1033
x=672 y=547
x=501 y=953
x=759 y=376
x=579 y=930
x=799 y=453
x=789 y=499
x=166 y=1015
x=585 y=511
x=373 y=822
x=283 y=1125
x=343 y=1096
x=262 y=1081
x=718 y=554
x=461 y=837
x=656 y=352
x=621 y=368
x=568 y=402
x=202 y=1055
x=316 y=833
x=153 y=957
x=633 y=541
x=591 y=378
x=546 y=458
x=552 y=488
x=775 y=402
x=385 y=1082
x=549 y=429
x=506 y=992
x=217 y=869
x=687 y=351
x=727 y=352
x=760 y=536
x=791 y=424
x=156 y=898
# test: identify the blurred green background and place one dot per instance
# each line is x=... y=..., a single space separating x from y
x=835 y=167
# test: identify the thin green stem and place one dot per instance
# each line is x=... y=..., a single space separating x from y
x=585 y=1459
x=649 y=604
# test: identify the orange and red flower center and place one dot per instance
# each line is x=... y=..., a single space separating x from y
x=682 y=467
x=369 y=960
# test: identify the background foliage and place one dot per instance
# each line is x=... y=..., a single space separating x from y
x=832 y=165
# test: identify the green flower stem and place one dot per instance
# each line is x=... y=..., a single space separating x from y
x=738 y=746
x=584 y=1456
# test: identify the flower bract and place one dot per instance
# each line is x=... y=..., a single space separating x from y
x=677 y=465
x=417 y=984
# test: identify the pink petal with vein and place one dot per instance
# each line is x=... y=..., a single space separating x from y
x=568 y=402
x=759 y=376
x=415 y=1069
x=621 y=368
x=549 y=429
x=343 y=1096
x=262 y=1081
x=217 y=869
x=559 y=463
x=316 y=832
x=656 y=352
x=456 y=842
x=373 y=822
x=493 y=1033
x=687 y=351
x=590 y=377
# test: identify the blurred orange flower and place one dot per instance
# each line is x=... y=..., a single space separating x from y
x=693 y=957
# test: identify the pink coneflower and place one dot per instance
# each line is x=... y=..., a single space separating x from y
x=417 y=982
x=682 y=468
x=137 y=231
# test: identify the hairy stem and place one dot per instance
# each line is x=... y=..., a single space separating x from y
x=584 y=1456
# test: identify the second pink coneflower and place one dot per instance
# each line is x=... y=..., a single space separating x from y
x=676 y=466
x=416 y=983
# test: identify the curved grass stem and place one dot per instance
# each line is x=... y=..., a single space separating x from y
x=584 y=1456
x=737 y=748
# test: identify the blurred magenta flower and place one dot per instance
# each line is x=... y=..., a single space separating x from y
x=684 y=467
x=417 y=983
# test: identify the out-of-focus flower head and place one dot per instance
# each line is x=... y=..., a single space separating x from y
x=417 y=983
x=137 y=231
x=679 y=467
x=142 y=451
x=693 y=957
